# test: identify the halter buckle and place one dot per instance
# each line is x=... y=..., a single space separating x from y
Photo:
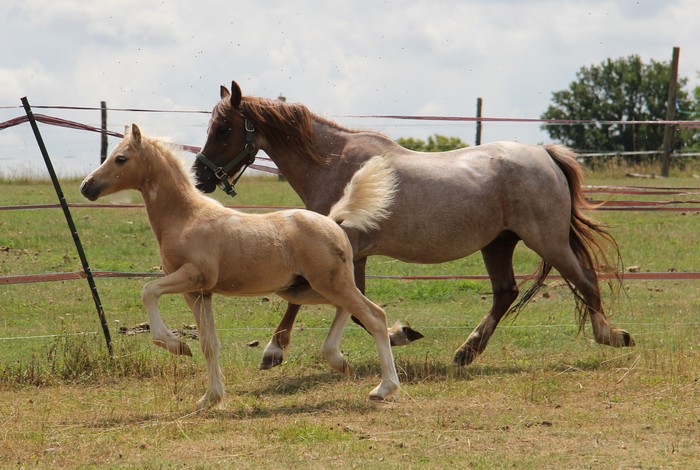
x=220 y=174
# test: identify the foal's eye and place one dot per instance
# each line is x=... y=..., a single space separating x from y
x=120 y=160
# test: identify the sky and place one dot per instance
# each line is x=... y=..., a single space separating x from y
x=341 y=59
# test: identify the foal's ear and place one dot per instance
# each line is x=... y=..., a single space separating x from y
x=236 y=95
x=135 y=135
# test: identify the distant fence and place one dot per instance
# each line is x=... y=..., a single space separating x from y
x=676 y=205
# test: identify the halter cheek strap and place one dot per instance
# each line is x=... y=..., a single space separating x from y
x=247 y=155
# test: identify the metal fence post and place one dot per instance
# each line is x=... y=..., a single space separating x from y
x=71 y=224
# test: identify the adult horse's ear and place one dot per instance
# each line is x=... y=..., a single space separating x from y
x=135 y=135
x=236 y=95
x=223 y=92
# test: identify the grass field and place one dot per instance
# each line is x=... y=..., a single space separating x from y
x=541 y=396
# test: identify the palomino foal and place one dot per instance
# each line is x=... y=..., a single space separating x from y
x=206 y=249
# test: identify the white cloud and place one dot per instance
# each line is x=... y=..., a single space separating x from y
x=339 y=58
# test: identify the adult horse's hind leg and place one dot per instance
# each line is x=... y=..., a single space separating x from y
x=273 y=355
x=498 y=258
x=561 y=256
x=586 y=282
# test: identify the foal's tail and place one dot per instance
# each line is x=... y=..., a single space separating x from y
x=367 y=197
x=592 y=244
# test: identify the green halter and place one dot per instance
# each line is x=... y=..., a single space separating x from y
x=247 y=155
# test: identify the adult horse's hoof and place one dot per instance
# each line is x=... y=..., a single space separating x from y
x=464 y=357
x=621 y=338
x=269 y=361
x=400 y=334
x=272 y=356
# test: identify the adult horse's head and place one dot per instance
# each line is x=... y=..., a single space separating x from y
x=230 y=147
x=240 y=126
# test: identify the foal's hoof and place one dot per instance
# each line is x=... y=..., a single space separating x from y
x=464 y=357
x=184 y=350
x=269 y=361
x=209 y=401
x=384 y=390
x=401 y=334
x=179 y=348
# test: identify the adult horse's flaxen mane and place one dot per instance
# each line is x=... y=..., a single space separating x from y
x=447 y=206
x=206 y=249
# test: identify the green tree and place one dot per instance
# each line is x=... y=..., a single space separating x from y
x=435 y=143
x=625 y=89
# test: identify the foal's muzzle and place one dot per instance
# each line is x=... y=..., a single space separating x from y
x=90 y=189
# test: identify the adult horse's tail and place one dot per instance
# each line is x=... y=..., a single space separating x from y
x=592 y=244
x=367 y=197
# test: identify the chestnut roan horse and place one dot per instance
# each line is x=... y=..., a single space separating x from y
x=206 y=249
x=448 y=205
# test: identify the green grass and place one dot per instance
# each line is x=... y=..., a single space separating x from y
x=540 y=396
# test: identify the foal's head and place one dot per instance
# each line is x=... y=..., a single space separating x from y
x=125 y=168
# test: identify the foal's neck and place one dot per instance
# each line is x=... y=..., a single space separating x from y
x=169 y=196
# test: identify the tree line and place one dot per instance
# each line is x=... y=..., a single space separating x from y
x=623 y=89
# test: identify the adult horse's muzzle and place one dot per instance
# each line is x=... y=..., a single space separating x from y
x=205 y=180
x=210 y=174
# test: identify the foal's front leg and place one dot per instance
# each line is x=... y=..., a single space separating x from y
x=173 y=283
x=200 y=304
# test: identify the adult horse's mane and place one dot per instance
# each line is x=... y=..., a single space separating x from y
x=287 y=124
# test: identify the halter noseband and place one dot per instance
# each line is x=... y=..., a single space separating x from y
x=247 y=155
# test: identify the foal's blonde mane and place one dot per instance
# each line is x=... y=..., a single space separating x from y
x=165 y=148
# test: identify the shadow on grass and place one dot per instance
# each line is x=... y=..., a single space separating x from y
x=415 y=370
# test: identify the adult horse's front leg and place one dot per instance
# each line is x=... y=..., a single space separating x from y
x=273 y=355
x=498 y=258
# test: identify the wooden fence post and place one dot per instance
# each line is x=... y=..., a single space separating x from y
x=103 y=148
x=477 y=140
x=670 y=129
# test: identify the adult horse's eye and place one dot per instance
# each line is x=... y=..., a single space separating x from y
x=120 y=160
x=222 y=129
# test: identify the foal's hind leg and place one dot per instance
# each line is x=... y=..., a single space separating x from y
x=498 y=258
x=331 y=345
x=399 y=334
x=342 y=293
